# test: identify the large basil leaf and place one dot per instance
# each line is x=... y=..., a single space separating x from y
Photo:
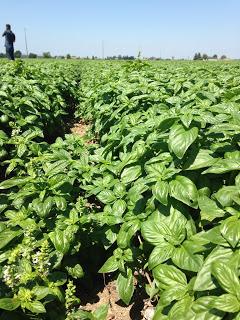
x=183 y=189
x=35 y=307
x=106 y=196
x=160 y=254
x=160 y=191
x=125 y=286
x=180 y=139
x=7 y=235
x=9 y=304
x=203 y=159
x=227 y=195
x=230 y=230
x=204 y=279
x=110 y=265
x=184 y=258
x=61 y=240
x=209 y=209
x=227 y=278
x=130 y=174
x=223 y=166
x=169 y=276
x=227 y=302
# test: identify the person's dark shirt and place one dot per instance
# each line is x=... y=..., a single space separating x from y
x=9 y=38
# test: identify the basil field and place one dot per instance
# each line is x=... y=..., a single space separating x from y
x=147 y=198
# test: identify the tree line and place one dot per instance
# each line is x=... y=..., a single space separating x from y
x=47 y=55
x=204 y=56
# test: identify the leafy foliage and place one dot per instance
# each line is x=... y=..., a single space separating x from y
x=156 y=201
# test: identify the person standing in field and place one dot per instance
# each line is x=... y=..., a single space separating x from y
x=9 y=41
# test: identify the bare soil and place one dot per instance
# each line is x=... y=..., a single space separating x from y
x=140 y=309
x=79 y=128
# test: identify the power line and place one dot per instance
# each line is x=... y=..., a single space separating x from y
x=25 y=32
x=102 y=49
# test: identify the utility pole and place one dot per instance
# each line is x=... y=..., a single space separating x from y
x=25 y=32
x=102 y=49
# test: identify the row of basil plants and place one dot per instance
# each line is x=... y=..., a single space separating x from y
x=37 y=189
x=168 y=175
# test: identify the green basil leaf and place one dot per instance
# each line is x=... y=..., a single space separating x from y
x=169 y=276
x=119 y=190
x=160 y=254
x=127 y=231
x=101 y=312
x=227 y=303
x=106 y=196
x=160 y=191
x=41 y=292
x=181 y=310
x=35 y=307
x=227 y=278
x=180 y=139
x=9 y=304
x=119 y=207
x=61 y=203
x=152 y=232
x=204 y=279
x=223 y=166
x=183 y=189
x=225 y=196
x=125 y=286
x=13 y=182
x=230 y=230
x=203 y=159
x=130 y=174
x=171 y=294
x=203 y=304
x=110 y=265
x=184 y=258
x=61 y=240
x=7 y=235
x=76 y=272
x=209 y=209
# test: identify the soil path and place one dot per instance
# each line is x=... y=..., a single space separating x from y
x=79 y=128
x=140 y=309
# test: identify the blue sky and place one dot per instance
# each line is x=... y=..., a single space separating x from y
x=163 y=28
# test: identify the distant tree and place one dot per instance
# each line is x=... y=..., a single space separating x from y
x=223 y=57
x=32 y=55
x=205 y=56
x=68 y=56
x=47 y=55
x=215 y=56
x=197 y=56
x=18 y=54
x=2 y=55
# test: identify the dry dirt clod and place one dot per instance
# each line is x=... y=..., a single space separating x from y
x=80 y=128
x=148 y=313
x=118 y=310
